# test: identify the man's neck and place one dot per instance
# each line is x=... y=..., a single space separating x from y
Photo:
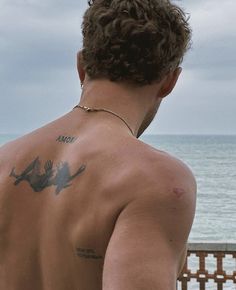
x=131 y=103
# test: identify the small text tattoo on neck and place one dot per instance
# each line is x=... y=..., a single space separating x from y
x=88 y=254
x=66 y=139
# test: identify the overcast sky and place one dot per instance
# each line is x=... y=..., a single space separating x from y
x=38 y=79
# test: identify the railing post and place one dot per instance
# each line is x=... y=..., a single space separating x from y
x=202 y=272
x=219 y=274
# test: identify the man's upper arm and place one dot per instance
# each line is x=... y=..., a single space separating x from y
x=148 y=244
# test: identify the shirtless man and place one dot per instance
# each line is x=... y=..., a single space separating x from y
x=84 y=204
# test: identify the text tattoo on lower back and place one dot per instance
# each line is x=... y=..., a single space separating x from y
x=88 y=254
x=58 y=176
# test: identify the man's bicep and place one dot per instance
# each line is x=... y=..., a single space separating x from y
x=146 y=247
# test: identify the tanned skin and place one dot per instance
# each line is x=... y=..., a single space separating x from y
x=84 y=205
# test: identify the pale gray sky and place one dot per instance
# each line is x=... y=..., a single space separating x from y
x=38 y=79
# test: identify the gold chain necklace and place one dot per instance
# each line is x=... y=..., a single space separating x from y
x=104 y=110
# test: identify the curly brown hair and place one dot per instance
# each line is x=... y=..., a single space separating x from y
x=135 y=41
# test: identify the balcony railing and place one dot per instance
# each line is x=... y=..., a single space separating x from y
x=209 y=266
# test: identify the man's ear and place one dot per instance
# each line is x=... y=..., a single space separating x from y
x=80 y=67
x=169 y=82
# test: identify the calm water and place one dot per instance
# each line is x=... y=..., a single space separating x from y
x=213 y=161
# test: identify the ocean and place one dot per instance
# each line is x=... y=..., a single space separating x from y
x=213 y=162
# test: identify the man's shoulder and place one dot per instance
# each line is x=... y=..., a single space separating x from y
x=154 y=160
x=160 y=171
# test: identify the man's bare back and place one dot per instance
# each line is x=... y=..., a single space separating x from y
x=58 y=208
x=62 y=189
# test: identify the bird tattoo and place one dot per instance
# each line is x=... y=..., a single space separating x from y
x=59 y=176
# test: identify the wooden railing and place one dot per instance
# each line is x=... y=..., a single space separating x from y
x=209 y=264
